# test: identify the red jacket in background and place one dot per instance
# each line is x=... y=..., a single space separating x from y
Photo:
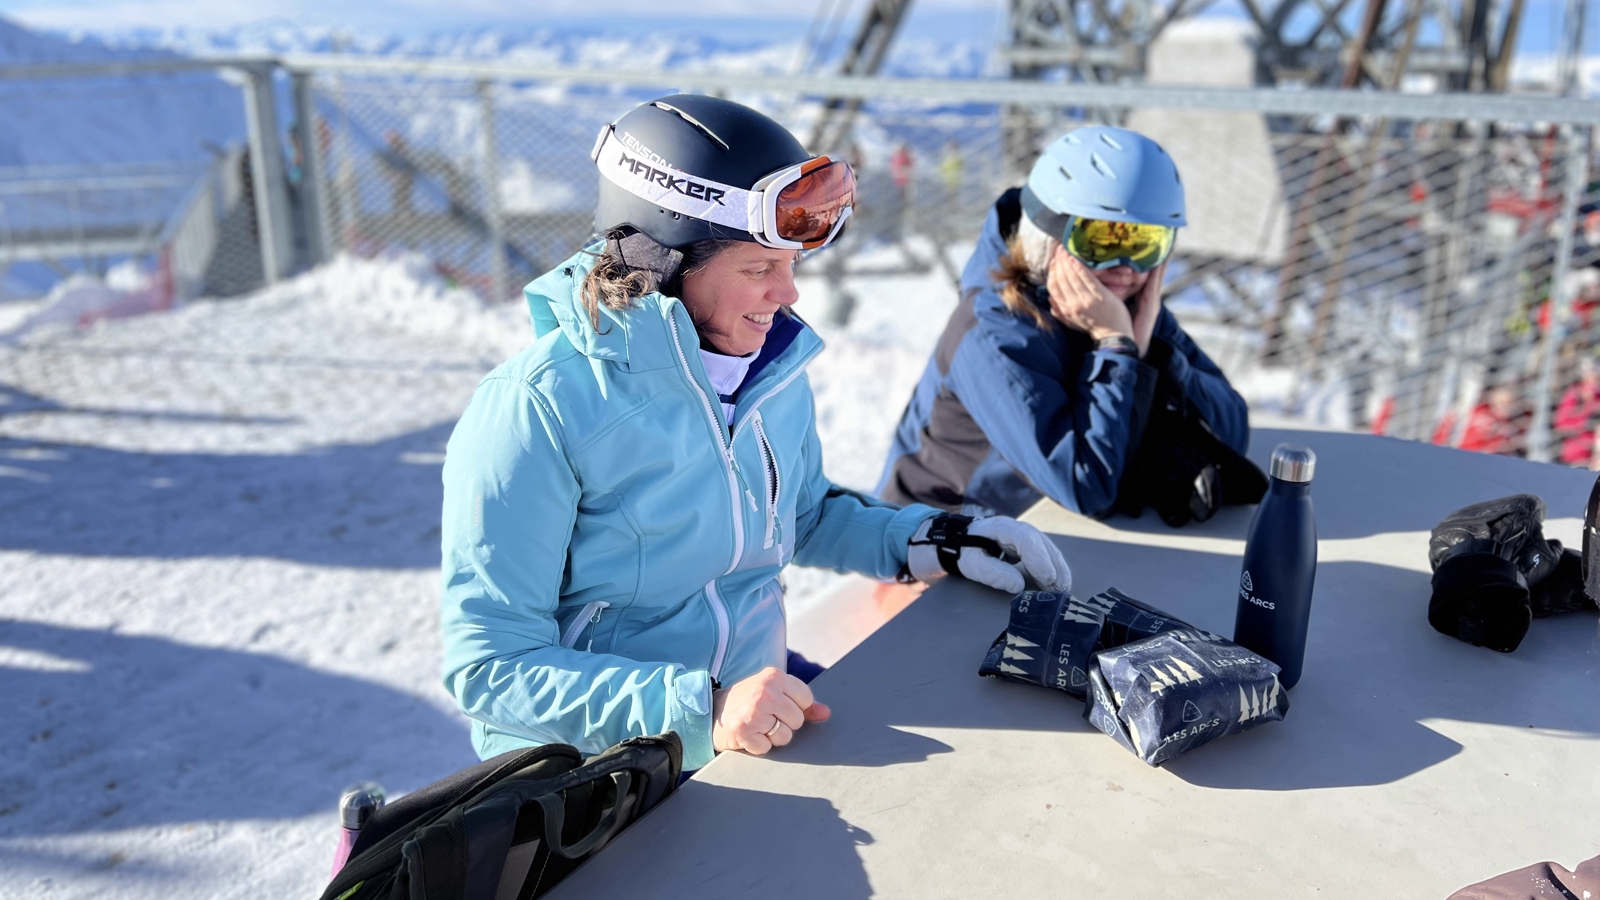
x=1575 y=421
x=1489 y=432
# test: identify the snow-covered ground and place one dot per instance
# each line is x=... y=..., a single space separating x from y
x=218 y=551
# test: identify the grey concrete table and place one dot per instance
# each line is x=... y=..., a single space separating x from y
x=1409 y=765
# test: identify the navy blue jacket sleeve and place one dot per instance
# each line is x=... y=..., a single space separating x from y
x=1204 y=385
x=1065 y=421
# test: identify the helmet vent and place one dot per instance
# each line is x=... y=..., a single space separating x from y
x=1115 y=209
x=1101 y=167
x=1106 y=138
x=692 y=121
x=1064 y=173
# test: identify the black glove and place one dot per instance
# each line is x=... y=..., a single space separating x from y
x=1178 y=467
x=1489 y=562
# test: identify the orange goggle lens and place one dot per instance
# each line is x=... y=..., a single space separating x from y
x=810 y=207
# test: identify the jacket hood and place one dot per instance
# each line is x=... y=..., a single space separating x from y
x=637 y=340
x=979 y=270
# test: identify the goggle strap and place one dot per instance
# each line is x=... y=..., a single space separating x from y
x=673 y=189
x=1048 y=220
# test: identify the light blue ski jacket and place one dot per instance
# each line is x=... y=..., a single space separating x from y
x=611 y=545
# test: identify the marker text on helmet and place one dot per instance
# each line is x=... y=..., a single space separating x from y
x=647 y=176
x=663 y=177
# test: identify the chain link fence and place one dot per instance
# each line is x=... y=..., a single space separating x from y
x=1381 y=274
x=1422 y=276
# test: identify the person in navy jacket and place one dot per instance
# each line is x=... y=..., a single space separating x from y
x=1044 y=380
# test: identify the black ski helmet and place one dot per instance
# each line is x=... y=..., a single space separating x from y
x=709 y=137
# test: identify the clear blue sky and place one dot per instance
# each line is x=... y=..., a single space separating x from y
x=945 y=18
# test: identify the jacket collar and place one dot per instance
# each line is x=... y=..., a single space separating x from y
x=638 y=339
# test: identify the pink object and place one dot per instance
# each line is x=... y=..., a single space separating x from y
x=347 y=841
x=1575 y=418
x=356 y=806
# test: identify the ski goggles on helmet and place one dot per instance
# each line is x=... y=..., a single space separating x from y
x=1103 y=244
x=798 y=207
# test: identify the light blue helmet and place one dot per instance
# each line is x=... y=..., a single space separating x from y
x=1101 y=172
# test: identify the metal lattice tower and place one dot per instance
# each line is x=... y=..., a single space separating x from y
x=1466 y=44
x=1460 y=45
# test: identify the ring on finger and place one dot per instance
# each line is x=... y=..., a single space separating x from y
x=775 y=726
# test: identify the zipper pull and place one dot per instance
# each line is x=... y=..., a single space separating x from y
x=599 y=608
x=752 y=498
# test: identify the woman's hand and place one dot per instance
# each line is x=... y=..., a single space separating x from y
x=762 y=712
x=1079 y=301
x=1148 y=310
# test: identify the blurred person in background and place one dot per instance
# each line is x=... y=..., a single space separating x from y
x=901 y=164
x=1494 y=425
x=1578 y=414
x=621 y=497
x=1061 y=374
x=951 y=169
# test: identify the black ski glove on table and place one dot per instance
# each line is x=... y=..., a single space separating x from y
x=1494 y=571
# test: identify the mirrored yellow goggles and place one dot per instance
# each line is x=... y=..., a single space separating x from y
x=1100 y=244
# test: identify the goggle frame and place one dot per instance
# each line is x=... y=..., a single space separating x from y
x=1130 y=262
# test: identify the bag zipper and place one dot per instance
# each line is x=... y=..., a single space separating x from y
x=590 y=615
x=774 y=484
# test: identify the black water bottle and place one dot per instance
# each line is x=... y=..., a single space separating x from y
x=1280 y=566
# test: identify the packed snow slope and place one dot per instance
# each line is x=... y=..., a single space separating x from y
x=218 y=565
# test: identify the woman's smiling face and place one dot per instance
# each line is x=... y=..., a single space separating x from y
x=734 y=297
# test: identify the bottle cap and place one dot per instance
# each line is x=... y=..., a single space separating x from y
x=358 y=803
x=1292 y=462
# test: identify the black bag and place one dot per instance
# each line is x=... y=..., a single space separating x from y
x=1168 y=694
x=1179 y=467
x=510 y=827
x=1052 y=636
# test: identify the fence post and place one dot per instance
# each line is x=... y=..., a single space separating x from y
x=1561 y=287
x=314 y=216
x=499 y=278
x=266 y=175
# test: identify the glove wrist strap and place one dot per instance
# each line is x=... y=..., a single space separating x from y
x=947 y=534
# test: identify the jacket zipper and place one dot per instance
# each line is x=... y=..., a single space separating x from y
x=725 y=447
x=756 y=405
x=590 y=615
x=720 y=611
x=774 y=486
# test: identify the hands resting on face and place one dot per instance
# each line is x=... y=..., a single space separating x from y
x=1079 y=301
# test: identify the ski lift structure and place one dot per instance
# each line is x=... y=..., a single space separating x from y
x=1294 y=217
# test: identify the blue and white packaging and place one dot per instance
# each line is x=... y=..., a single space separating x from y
x=1166 y=695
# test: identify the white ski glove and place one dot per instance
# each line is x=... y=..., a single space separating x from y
x=983 y=550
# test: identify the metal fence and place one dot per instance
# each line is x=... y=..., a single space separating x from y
x=1422 y=266
x=1387 y=272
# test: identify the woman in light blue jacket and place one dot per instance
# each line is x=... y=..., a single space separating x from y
x=621 y=496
